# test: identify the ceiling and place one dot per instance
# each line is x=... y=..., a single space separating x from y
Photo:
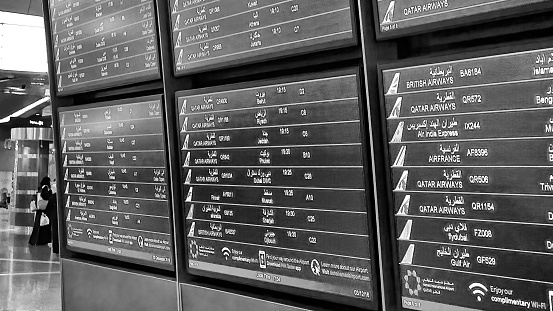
x=30 y=7
x=19 y=89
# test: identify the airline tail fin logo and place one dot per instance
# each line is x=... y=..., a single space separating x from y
x=187 y=160
x=188 y=177
x=398 y=135
x=179 y=60
x=65 y=161
x=57 y=54
x=68 y=201
x=176 y=6
x=68 y=215
x=62 y=119
x=402 y=183
x=400 y=159
x=189 y=195
x=404 y=208
x=186 y=140
x=67 y=189
x=408 y=258
x=66 y=174
x=190 y=212
x=396 y=111
x=389 y=16
x=394 y=85
x=183 y=109
x=179 y=38
x=406 y=233
x=184 y=125
x=63 y=133
x=177 y=25
x=64 y=149
x=192 y=230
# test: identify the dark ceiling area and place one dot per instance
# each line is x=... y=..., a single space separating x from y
x=19 y=89
x=30 y=7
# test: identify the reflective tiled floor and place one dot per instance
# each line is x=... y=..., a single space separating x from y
x=29 y=275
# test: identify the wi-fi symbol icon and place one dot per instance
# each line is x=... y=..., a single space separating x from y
x=479 y=290
x=226 y=252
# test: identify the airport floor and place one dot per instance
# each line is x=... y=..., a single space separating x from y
x=29 y=275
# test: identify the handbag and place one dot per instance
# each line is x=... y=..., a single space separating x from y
x=40 y=202
x=44 y=220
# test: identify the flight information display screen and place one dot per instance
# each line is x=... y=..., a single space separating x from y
x=101 y=44
x=115 y=198
x=274 y=185
x=402 y=16
x=471 y=156
x=211 y=34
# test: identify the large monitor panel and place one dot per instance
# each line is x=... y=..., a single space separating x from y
x=115 y=197
x=471 y=168
x=102 y=44
x=275 y=186
x=215 y=34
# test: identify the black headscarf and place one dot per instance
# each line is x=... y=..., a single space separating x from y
x=45 y=192
x=44 y=182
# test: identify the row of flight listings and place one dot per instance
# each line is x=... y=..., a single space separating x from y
x=101 y=44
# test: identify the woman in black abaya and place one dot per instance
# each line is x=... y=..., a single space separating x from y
x=41 y=235
x=52 y=213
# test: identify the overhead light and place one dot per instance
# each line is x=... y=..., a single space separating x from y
x=25 y=109
x=15 y=90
